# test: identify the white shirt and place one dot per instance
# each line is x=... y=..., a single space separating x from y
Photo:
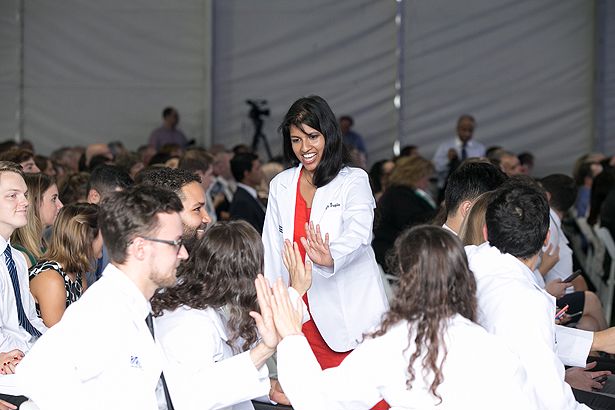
x=514 y=307
x=348 y=299
x=440 y=158
x=479 y=373
x=13 y=336
x=563 y=267
x=101 y=355
x=203 y=372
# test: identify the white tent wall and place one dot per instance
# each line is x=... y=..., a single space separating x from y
x=523 y=68
x=281 y=50
x=9 y=68
x=102 y=71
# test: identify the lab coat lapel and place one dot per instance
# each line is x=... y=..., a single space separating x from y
x=288 y=196
x=325 y=196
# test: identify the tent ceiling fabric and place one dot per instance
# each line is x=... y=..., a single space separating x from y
x=280 y=51
x=101 y=71
x=97 y=71
x=524 y=69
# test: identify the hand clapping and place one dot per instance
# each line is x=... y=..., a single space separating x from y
x=300 y=274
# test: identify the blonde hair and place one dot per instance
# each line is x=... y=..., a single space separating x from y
x=471 y=231
x=30 y=236
x=409 y=170
x=74 y=231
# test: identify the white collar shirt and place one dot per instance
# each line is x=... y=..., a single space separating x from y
x=513 y=306
x=440 y=158
x=563 y=267
x=12 y=335
x=101 y=354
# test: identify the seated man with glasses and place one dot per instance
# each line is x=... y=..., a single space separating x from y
x=103 y=354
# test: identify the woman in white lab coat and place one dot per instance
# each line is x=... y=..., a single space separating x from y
x=204 y=324
x=428 y=353
x=327 y=209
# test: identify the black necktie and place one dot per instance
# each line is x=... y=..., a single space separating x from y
x=21 y=314
x=167 y=396
x=464 y=152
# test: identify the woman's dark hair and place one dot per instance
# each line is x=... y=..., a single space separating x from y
x=602 y=185
x=220 y=273
x=375 y=176
x=314 y=112
x=435 y=283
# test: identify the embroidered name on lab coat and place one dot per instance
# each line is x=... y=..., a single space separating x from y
x=135 y=362
x=332 y=205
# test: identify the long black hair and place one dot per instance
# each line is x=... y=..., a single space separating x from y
x=314 y=112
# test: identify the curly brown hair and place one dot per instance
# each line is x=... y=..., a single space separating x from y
x=435 y=284
x=220 y=273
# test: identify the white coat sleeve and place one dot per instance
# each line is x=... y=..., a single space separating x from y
x=573 y=345
x=527 y=333
x=308 y=387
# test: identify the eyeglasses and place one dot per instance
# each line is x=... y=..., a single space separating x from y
x=178 y=242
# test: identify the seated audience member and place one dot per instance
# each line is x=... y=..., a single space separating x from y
x=506 y=161
x=270 y=170
x=405 y=203
x=187 y=186
x=586 y=168
x=224 y=186
x=103 y=350
x=352 y=140
x=23 y=157
x=74 y=188
x=471 y=179
x=205 y=327
x=68 y=158
x=602 y=185
x=130 y=163
x=19 y=325
x=168 y=133
x=200 y=162
x=43 y=209
x=526 y=160
x=422 y=355
x=104 y=180
x=456 y=150
x=409 y=151
x=92 y=151
x=515 y=308
x=58 y=279
x=379 y=176
x=584 y=307
x=246 y=205
x=45 y=165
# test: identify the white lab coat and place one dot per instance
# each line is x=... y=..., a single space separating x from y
x=203 y=372
x=349 y=298
x=514 y=307
x=101 y=355
x=479 y=373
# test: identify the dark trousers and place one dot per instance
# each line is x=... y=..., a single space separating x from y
x=16 y=400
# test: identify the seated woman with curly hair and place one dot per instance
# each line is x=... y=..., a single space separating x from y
x=58 y=279
x=427 y=353
x=205 y=323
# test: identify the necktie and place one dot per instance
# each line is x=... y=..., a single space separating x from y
x=464 y=152
x=21 y=314
x=167 y=396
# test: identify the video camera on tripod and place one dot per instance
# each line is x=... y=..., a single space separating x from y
x=258 y=110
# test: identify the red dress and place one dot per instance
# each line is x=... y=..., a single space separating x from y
x=326 y=357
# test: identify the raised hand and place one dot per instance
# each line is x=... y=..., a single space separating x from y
x=286 y=315
x=316 y=247
x=264 y=320
x=300 y=274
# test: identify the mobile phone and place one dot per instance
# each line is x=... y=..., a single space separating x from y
x=601 y=379
x=573 y=276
